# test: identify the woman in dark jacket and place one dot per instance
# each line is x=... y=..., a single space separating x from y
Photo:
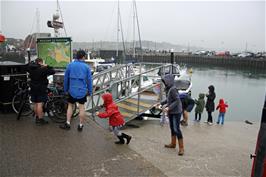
x=174 y=109
x=210 y=103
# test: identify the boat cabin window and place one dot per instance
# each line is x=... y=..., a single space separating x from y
x=145 y=78
x=166 y=70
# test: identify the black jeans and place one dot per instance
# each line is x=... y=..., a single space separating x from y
x=210 y=117
x=174 y=120
x=196 y=116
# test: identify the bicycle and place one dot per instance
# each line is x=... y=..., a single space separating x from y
x=22 y=96
x=55 y=106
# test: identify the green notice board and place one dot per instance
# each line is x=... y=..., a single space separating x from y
x=55 y=52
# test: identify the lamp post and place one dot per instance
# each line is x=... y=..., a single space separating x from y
x=28 y=51
x=172 y=60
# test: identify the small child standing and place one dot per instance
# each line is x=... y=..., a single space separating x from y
x=200 y=103
x=116 y=120
x=222 y=109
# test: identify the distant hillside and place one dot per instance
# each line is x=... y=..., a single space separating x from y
x=150 y=45
x=110 y=45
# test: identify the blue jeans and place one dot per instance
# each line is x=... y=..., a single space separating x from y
x=221 y=118
x=174 y=120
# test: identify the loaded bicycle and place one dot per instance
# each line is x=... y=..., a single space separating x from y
x=55 y=106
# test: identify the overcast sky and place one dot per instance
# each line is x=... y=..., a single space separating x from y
x=221 y=25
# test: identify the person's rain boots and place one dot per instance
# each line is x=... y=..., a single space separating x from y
x=128 y=138
x=172 y=144
x=121 y=140
x=181 y=147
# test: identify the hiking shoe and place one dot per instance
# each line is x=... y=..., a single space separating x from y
x=80 y=127
x=41 y=121
x=66 y=126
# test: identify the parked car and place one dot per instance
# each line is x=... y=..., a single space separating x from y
x=223 y=53
x=259 y=158
x=260 y=55
x=246 y=55
x=201 y=52
x=211 y=53
x=234 y=54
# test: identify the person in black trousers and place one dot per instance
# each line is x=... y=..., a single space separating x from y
x=38 y=73
x=210 y=103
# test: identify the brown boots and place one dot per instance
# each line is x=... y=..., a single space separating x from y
x=173 y=145
x=181 y=147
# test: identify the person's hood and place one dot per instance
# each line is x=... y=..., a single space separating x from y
x=221 y=101
x=107 y=98
x=201 y=95
x=211 y=88
x=168 y=80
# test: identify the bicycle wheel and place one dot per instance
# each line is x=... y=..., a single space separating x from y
x=57 y=110
x=17 y=101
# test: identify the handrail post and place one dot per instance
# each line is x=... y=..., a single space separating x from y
x=139 y=89
x=92 y=107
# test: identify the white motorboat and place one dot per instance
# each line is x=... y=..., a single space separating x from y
x=182 y=79
x=98 y=64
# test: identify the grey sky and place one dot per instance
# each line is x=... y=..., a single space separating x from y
x=220 y=25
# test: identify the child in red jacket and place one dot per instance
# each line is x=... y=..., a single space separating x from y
x=222 y=109
x=116 y=120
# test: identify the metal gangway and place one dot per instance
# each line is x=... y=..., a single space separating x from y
x=126 y=83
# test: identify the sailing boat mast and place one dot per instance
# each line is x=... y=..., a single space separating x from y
x=56 y=18
x=134 y=22
x=136 y=12
x=118 y=29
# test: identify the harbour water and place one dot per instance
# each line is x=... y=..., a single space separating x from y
x=243 y=90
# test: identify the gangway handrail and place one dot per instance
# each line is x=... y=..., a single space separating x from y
x=125 y=81
x=111 y=69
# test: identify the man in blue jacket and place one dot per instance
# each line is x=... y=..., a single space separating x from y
x=77 y=85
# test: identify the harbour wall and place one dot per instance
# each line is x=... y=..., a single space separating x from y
x=228 y=62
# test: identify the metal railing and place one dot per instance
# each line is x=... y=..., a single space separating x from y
x=124 y=82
